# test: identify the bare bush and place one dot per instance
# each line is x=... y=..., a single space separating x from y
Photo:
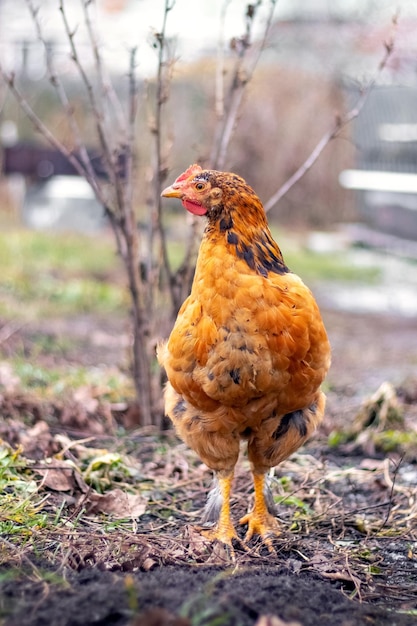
x=154 y=283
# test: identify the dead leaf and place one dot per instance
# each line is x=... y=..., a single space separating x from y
x=77 y=446
x=58 y=475
x=381 y=411
x=117 y=503
x=74 y=415
x=273 y=620
x=85 y=397
x=37 y=442
x=8 y=379
x=159 y=617
x=344 y=575
x=148 y=564
x=332 y=570
x=130 y=416
x=372 y=464
x=197 y=544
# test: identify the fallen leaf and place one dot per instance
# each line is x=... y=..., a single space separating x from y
x=334 y=571
x=159 y=617
x=148 y=564
x=273 y=620
x=106 y=458
x=58 y=475
x=85 y=397
x=8 y=379
x=372 y=464
x=196 y=543
x=117 y=503
x=37 y=442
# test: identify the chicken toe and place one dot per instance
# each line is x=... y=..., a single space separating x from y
x=260 y=521
x=224 y=532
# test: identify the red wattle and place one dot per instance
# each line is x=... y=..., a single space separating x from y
x=194 y=208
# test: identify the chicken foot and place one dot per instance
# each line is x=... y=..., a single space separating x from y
x=218 y=511
x=260 y=520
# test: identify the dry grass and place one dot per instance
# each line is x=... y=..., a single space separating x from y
x=347 y=520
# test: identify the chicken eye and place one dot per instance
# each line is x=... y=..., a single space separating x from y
x=199 y=186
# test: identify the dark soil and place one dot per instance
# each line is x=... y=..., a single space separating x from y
x=353 y=564
x=211 y=596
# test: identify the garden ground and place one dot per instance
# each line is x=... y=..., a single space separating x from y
x=99 y=518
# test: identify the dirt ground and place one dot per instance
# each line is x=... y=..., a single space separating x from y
x=348 y=551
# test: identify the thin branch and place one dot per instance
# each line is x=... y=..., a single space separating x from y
x=122 y=216
x=162 y=87
x=219 y=91
x=56 y=82
x=10 y=329
x=392 y=491
x=132 y=110
x=105 y=84
x=128 y=224
x=79 y=167
x=9 y=79
x=339 y=124
x=110 y=159
x=88 y=171
x=3 y=97
x=240 y=78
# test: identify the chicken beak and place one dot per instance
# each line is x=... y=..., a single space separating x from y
x=172 y=192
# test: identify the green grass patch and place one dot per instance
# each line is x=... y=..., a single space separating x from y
x=104 y=383
x=20 y=504
x=324 y=266
x=67 y=252
x=46 y=275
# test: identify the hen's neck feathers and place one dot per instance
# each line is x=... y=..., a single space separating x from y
x=240 y=224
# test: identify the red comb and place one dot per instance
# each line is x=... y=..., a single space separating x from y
x=193 y=170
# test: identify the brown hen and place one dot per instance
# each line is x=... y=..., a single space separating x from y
x=248 y=352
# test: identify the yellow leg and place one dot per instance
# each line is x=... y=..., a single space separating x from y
x=224 y=530
x=259 y=520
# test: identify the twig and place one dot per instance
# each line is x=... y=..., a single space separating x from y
x=339 y=124
x=119 y=208
x=123 y=220
x=132 y=109
x=107 y=90
x=39 y=125
x=227 y=113
x=10 y=329
x=219 y=91
x=82 y=165
x=391 y=495
x=56 y=82
x=110 y=158
x=160 y=170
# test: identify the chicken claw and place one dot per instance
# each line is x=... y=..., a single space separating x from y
x=264 y=525
x=260 y=521
x=224 y=533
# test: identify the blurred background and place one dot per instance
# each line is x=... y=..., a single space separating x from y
x=316 y=61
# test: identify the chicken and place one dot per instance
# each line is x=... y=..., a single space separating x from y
x=248 y=352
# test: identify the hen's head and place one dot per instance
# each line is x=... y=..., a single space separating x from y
x=216 y=194
x=234 y=211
